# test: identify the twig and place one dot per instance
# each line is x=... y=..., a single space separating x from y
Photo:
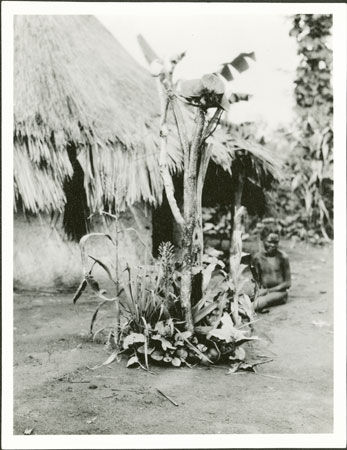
x=261 y=362
x=167 y=179
x=216 y=118
x=167 y=397
x=79 y=381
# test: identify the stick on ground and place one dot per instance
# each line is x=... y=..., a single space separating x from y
x=167 y=397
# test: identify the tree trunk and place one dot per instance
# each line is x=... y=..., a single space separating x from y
x=190 y=203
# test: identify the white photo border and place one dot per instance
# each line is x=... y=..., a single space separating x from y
x=336 y=439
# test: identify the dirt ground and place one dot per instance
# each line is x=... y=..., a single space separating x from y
x=56 y=393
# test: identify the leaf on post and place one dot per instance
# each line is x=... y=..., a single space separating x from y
x=226 y=73
x=240 y=63
x=238 y=97
x=212 y=83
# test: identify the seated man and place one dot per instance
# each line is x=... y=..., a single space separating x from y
x=272 y=272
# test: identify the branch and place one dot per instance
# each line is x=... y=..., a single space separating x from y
x=214 y=121
x=182 y=131
x=167 y=179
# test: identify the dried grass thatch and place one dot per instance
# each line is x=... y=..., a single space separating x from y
x=74 y=83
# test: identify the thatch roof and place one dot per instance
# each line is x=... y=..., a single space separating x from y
x=76 y=87
x=74 y=83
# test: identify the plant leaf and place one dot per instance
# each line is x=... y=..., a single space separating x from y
x=198 y=316
x=191 y=88
x=157 y=355
x=220 y=333
x=95 y=316
x=246 y=367
x=201 y=347
x=111 y=358
x=79 y=291
x=164 y=342
x=104 y=266
x=176 y=362
x=183 y=335
x=97 y=332
x=240 y=63
x=82 y=245
x=239 y=355
x=142 y=350
x=132 y=361
x=207 y=272
x=213 y=83
x=133 y=338
x=234 y=368
x=181 y=353
x=229 y=333
x=93 y=283
x=226 y=73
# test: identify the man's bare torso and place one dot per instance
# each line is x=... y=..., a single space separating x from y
x=270 y=268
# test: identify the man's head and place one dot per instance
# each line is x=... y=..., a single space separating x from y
x=270 y=238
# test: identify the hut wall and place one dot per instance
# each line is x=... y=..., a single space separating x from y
x=45 y=259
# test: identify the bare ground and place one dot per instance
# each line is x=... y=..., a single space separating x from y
x=56 y=393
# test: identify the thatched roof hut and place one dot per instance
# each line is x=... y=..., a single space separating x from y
x=82 y=102
x=78 y=91
x=86 y=120
x=86 y=131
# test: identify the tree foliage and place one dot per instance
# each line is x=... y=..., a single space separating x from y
x=313 y=89
x=310 y=163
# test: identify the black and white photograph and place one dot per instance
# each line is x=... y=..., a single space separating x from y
x=174 y=219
